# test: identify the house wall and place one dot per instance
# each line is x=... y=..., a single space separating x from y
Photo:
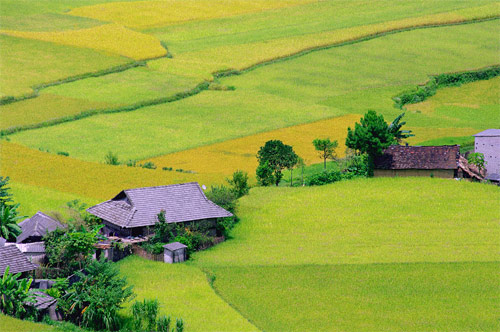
x=438 y=173
x=490 y=147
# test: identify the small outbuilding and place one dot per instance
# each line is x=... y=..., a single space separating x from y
x=174 y=252
x=487 y=142
x=36 y=227
x=12 y=257
x=435 y=161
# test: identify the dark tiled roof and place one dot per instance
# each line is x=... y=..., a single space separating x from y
x=174 y=246
x=488 y=132
x=140 y=207
x=13 y=257
x=38 y=225
x=419 y=157
x=42 y=300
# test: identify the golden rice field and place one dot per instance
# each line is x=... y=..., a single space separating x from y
x=242 y=56
x=109 y=38
x=147 y=14
x=85 y=179
x=222 y=159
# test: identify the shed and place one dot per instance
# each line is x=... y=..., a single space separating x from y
x=174 y=252
x=437 y=161
x=45 y=305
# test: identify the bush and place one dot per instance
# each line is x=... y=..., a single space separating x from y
x=14 y=294
x=324 y=177
x=239 y=183
x=62 y=153
x=224 y=197
x=149 y=165
x=111 y=159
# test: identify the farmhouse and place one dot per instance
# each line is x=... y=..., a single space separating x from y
x=35 y=228
x=488 y=143
x=437 y=161
x=133 y=211
x=12 y=257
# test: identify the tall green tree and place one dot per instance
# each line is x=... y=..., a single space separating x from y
x=9 y=229
x=396 y=131
x=370 y=136
x=5 y=194
x=239 y=183
x=326 y=149
x=278 y=157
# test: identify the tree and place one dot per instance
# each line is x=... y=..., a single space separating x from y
x=8 y=222
x=96 y=299
x=278 y=157
x=14 y=294
x=265 y=175
x=326 y=149
x=239 y=183
x=477 y=159
x=5 y=195
x=371 y=136
x=396 y=131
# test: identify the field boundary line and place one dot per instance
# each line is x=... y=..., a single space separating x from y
x=205 y=84
x=211 y=277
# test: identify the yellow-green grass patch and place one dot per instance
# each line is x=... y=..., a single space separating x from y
x=240 y=154
x=320 y=85
x=11 y=324
x=109 y=38
x=147 y=14
x=183 y=292
x=83 y=179
x=380 y=220
x=43 y=108
x=26 y=62
x=374 y=297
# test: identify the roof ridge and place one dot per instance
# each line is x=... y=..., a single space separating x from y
x=164 y=186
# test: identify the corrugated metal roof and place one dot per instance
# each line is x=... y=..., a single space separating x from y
x=419 y=157
x=139 y=207
x=13 y=257
x=489 y=133
x=38 y=225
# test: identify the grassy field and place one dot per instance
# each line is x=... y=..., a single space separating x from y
x=183 y=291
x=383 y=67
x=31 y=62
x=373 y=297
x=9 y=324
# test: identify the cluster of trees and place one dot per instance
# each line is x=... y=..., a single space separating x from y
x=368 y=139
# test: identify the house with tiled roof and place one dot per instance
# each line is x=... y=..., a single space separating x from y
x=35 y=228
x=435 y=161
x=12 y=257
x=133 y=212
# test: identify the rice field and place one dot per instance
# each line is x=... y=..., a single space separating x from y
x=320 y=85
x=183 y=292
x=10 y=324
x=111 y=39
x=31 y=62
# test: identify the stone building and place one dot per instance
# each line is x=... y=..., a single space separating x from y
x=488 y=143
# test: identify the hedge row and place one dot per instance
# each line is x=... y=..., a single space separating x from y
x=429 y=89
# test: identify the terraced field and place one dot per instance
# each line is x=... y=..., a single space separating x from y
x=200 y=85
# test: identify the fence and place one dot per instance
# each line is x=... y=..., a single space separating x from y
x=136 y=250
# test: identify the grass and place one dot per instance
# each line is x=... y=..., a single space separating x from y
x=466 y=142
x=344 y=223
x=82 y=179
x=34 y=199
x=142 y=15
x=31 y=62
x=373 y=297
x=10 y=324
x=366 y=76
x=109 y=38
x=185 y=293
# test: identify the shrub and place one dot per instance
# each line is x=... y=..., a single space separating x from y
x=131 y=163
x=477 y=159
x=149 y=165
x=62 y=153
x=239 y=183
x=111 y=159
x=324 y=177
x=14 y=294
x=265 y=176
x=223 y=196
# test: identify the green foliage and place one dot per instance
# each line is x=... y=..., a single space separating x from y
x=5 y=191
x=179 y=325
x=163 y=324
x=95 y=300
x=265 y=176
x=144 y=314
x=326 y=149
x=9 y=229
x=278 y=156
x=324 y=177
x=148 y=165
x=111 y=159
x=397 y=132
x=70 y=249
x=477 y=159
x=14 y=294
x=224 y=197
x=79 y=217
x=429 y=89
x=239 y=183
